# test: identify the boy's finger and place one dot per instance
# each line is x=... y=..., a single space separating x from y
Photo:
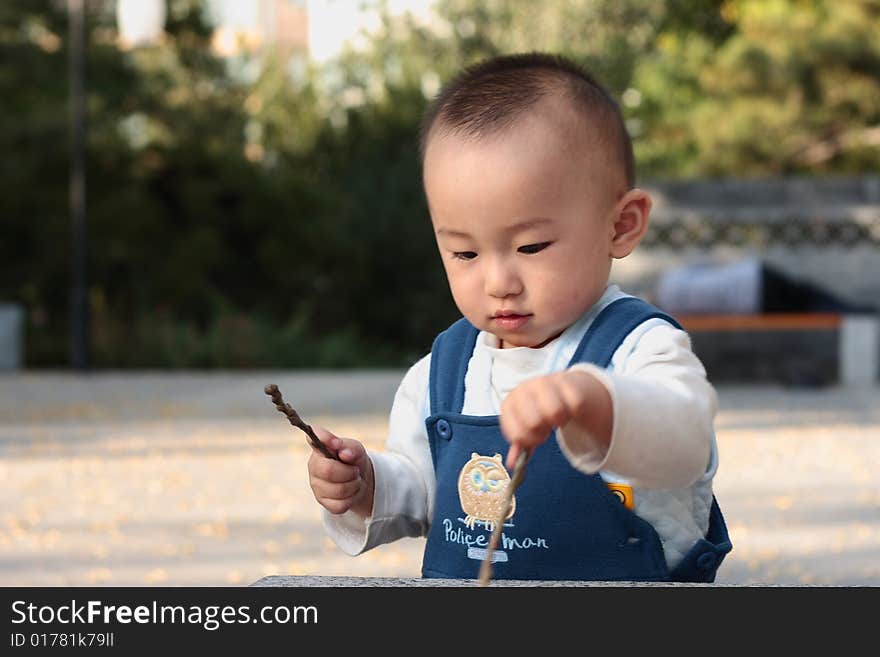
x=326 y=490
x=553 y=408
x=329 y=439
x=332 y=471
x=512 y=455
x=511 y=418
x=528 y=422
x=323 y=434
x=515 y=454
x=321 y=452
x=336 y=507
x=348 y=450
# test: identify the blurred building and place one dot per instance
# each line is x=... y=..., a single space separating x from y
x=250 y=26
x=319 y=29
x=297 y=30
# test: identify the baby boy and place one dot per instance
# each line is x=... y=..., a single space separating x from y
x=529 y=175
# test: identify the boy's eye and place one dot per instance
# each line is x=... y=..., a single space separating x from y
x=464 y=255
x=533 y=248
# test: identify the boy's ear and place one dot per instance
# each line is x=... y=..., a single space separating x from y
x=630 y=222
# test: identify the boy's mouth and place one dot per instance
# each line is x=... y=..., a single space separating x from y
x=510 y=321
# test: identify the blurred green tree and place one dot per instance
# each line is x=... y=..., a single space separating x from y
x=266 y=211
x=790 y=87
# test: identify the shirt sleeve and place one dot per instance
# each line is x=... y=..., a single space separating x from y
x=664 y=409
x=404 y=475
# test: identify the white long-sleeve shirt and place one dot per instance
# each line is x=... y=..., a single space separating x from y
x=662 y=442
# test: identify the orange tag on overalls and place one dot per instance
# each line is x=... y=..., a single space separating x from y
x=624 y=493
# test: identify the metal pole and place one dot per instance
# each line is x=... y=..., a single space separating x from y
x=79 y=315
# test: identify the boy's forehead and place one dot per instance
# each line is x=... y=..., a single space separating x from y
x=551 y=128
x=526 y=169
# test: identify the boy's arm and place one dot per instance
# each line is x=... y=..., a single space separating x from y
x=403 y=476
x=662 y=413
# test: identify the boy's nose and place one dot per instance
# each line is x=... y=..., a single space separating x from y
x=502 y=280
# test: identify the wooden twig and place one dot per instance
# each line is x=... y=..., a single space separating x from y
x=294 y=418
x=519 y=473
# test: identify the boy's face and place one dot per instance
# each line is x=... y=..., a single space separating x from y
x=524 y=224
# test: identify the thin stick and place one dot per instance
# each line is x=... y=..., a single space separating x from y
x=519 y=473
x=294 y=418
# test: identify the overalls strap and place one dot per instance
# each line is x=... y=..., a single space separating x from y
x=610 y=328
x=450 y=355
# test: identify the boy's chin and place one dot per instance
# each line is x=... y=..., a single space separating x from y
x=530 y=341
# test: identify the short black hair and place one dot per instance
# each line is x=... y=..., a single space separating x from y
x=491 y=95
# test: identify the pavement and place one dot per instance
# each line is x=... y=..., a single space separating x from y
x=194 y=479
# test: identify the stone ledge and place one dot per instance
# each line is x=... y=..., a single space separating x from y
x=312 y=581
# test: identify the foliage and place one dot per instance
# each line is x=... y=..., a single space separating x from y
x=792 y=87
x=243 y=215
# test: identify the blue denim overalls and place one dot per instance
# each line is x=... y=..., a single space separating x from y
x=566 y=525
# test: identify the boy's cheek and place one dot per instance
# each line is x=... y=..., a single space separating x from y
x=464 y=292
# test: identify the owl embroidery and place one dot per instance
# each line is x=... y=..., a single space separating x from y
x=481 y=486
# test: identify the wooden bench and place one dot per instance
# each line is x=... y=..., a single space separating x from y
x=768 y=322
x=857 y=337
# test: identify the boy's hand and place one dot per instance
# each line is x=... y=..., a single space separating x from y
x=348 y=485
x=534 y=408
